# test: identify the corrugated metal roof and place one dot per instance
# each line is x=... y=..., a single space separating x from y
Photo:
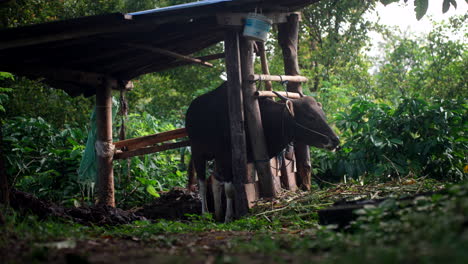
x=64 y=52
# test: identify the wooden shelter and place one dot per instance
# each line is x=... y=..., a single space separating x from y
x=94 y=55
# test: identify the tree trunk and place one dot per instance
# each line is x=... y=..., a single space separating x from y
x=104 y=146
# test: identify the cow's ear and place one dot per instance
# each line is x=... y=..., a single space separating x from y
x=290 y=107
x=319 y=105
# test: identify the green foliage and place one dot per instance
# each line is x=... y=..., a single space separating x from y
x=4 y=91
x=334 y=34
x=431 y=67
x=41 y=159
x=421 y=6
x=30 y=98
x=139 y=179
x=414 y=138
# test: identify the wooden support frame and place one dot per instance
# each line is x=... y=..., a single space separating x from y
x=254 y=121
x=104 y=146
x=171 y=54
x=271 y=94
x=236 y=120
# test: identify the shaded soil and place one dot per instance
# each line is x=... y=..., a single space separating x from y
x=172 y=205
x=202 y=247
x=99 y=215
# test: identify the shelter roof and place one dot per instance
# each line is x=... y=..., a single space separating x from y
x=77 y=54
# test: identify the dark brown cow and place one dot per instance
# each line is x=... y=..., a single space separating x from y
x=207 y=124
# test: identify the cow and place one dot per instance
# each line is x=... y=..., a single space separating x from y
x=207 y=123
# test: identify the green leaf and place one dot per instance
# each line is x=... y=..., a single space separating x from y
x=420 y=6
x=150 y=189
x=386 y=2
x=445 y=6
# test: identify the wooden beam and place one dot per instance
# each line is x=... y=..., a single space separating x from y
x=78 y=77
x=136 y=143
x=276 y=78
x=149 y=150
x=271 y=94
x=236 y=120
x=104 y=146
x=288 y=40
x=254 y=123
x=171 y=54
x=202 y=58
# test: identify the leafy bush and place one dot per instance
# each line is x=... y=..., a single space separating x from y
x=41 y=159
x=414 y=138
x=44 y=161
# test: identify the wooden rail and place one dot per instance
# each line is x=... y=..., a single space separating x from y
x=148 y=150
x=136 y=143
x=271 y=94
x=277 y=78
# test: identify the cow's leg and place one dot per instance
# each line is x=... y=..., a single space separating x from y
x=217 y=199
x=200 y=167
x=230 y=192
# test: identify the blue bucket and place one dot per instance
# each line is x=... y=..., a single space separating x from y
x=257 y=27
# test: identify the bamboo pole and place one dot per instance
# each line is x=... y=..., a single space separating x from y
x=271 y=94
x=276 y=78
x=136 y=143
x=171 y=54
x=104 y=146
x=149 y=150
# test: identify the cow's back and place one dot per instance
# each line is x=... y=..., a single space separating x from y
x=206 y=119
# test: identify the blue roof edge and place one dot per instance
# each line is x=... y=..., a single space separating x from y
x=178 y=7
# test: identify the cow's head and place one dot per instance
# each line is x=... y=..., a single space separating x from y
x=310 y=123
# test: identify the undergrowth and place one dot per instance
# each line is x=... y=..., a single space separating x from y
x=427 y=229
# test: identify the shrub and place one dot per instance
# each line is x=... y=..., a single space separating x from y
x=415 y=137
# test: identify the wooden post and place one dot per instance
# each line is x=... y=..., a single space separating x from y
x=104 y=146
x=254 y=121
x=236 y=119
x=288 y=39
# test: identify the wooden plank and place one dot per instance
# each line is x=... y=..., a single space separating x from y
x=288 y=40
x=149 y=150
x=104 y=146
x=171 y=54
x=264 y=62
x=254 y=121
x=236 y=120
x=271 y=94
x=276 y=78
x=135 y=143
